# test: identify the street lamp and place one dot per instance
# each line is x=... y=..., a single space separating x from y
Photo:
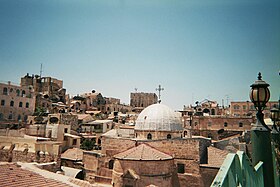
x=260 y=95
x=275 y=116
x=260 y=132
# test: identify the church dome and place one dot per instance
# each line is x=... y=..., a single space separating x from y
x=158 y=117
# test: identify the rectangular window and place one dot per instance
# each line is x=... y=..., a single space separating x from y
x=65 y=130
x=74 y=141
x=2 y=102
x=181 y=168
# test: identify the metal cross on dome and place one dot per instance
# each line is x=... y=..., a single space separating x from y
x=159 y=89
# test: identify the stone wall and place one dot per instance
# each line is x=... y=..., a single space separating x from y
x=208 y=174
x=148 y=172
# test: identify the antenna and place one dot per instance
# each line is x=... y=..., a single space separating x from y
x=41 y=70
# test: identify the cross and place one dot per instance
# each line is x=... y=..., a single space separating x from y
x=159 y=89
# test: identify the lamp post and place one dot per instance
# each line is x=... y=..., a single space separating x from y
x=260 y=132
x=274 y=116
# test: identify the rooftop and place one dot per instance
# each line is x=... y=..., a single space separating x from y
x=75 y=154
x=143 y=152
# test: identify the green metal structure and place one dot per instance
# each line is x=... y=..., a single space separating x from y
x=238 y=170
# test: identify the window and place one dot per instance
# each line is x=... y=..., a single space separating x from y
x=244 y=107
x=2 y=102
x=225 y=124
x=111 y=164
x=25 y=117
x=10 y=116
x=23 y=93
x=74 y=141
x=149 y=136
x=5 y=91
x=20 y=104
x=12 y=103
x=18 y=92
x=168 y=136
x=252 y=107
x=11 y=90
x=27 y=105
x=240 y=124
x=1 y=116
x=236 y=107
x=65 y=130
x=209 y=124
x=181 y=168
x=19 y=117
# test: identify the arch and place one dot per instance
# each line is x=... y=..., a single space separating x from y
x=149 y=136
x=213 y=111
x=111 y=164
x=18 y=92
x=12 y=103
x=10 y=116
x=2 y=102
x=27 y=105
x=5 y=91
x=20 y=104
x=185 y=133
x=225 y=124
x=168 y=136
x=206 y=110
x=23 y=93
x=240 y=124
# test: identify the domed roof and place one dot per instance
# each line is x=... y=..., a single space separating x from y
x=158 y=117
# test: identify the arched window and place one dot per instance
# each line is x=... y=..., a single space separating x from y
x=168 y=136
x=5 y=91
x=18 y=92
x=2 y=102
x=225 y=124
x=27 y=105
x=111 y=164
x=23 y=93
x=25 y=117
x=1 y=116
x=20 y=104
x=10 y=116
x=12 y=103
x=19 y=117
x=185 y=133
x=149 y=136
x=240 y=124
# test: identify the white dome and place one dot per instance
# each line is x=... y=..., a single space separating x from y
x=158 y=117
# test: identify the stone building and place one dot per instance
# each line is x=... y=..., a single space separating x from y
x=48 y=90
x=94 y=101
x=158 y=134
x=17 y=102
x=219 y=126
x=142 y=100
x=114 y=105
x=246 y=108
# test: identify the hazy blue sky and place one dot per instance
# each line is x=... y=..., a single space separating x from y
x=194 y=49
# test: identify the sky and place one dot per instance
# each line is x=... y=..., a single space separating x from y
x=194 y=49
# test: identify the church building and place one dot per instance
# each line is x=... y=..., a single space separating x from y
x=158 y=153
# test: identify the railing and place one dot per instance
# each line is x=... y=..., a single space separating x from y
x=237 y=170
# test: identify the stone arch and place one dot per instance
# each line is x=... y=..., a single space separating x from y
x=168 y=136
x=149 y=136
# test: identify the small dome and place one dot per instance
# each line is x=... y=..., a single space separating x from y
x=158 y=117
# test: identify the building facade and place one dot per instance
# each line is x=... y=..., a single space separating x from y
x=17 y=102
x=142 y=100
x=246 y=108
